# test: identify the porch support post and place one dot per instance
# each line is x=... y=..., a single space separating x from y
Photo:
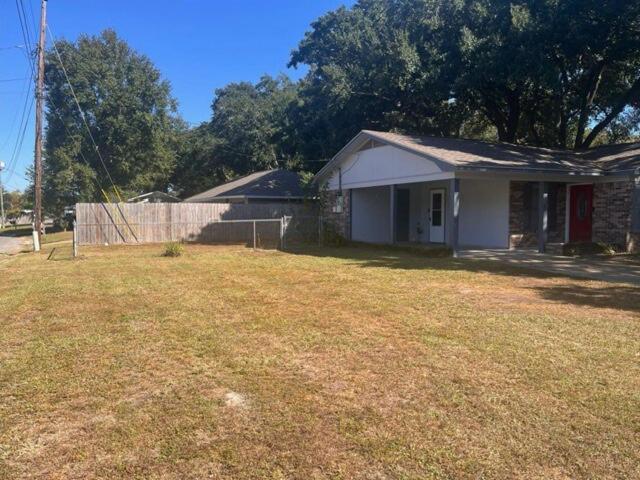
x=392 y=214
x=455 y=209
x=543 y=215
x=633 y=237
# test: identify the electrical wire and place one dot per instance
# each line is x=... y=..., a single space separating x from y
x=26 y=113
x=3 y=80
x=24 y=25
x=26 y=89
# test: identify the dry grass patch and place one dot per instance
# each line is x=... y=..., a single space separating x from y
x=345 y=363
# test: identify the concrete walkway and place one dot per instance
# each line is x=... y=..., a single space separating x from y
x=621 y=268
x=13 y=245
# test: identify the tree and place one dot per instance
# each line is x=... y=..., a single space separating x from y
x=14 y=203
x=556 y=74
x=250 y=130
x=251 y=123
x=374 y=66
x=128 y=110
x=198 y=168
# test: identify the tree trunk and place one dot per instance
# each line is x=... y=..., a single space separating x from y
x=593 y=82
x=513 y=116
x=563 y=133
x=506 y=123
x=630 y=94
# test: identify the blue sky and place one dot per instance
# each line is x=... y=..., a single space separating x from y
x=198 y=45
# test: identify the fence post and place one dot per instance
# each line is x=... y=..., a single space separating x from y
x=75 y=240
x=254 y=234
x=320 y=235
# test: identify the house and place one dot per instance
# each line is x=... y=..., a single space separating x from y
x=154 y=197
x=269 y=186
x=390 y=188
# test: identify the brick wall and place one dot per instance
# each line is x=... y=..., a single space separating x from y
x=339 y=221
x=557 y=231
x=523 y=214
x=612 y=214
x=520 y=233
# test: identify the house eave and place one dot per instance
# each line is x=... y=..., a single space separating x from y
x=244 y=197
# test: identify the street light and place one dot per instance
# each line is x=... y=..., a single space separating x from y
x=1 y=196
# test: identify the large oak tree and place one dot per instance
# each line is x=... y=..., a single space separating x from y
x=127 y=109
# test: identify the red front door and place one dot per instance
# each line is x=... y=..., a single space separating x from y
x=580 y=209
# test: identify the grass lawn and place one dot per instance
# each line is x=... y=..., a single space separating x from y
x=334 y=363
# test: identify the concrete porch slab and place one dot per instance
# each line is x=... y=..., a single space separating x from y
x=619 y=268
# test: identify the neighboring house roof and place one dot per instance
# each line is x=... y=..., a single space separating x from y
x=266 y=185
x=154 y=197
x=462 y=154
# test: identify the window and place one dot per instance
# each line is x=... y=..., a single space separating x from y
x=581 y=203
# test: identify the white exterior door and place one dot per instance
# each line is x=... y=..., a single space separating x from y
x=436 y=216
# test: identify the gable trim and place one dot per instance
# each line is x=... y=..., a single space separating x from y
x=356 y=144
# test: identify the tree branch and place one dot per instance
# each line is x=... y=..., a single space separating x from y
x=593 y=82
x=630 y=94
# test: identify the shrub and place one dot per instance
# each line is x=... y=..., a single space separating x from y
x=331 y=237
x=173 y=249
x=590 y=248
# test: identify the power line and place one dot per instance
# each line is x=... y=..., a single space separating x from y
x=33 y=16
x=24 y=26
x=12 y=47
x=26 y=114
x=17 y=149
x=22 y=128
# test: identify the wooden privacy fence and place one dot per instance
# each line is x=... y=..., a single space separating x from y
x=131 y=223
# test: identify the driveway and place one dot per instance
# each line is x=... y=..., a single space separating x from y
x=620 y=268
x=13 y=245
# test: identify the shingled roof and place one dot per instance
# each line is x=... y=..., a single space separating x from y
x=463 y=154
x=268 y=184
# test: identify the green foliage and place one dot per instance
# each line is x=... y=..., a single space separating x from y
x=249 y=131
x=173 y=249
x=198 y=166
x=250 y=122
x=331 y=236
x=14 y=203
x=557 y=74
x=591 y=248
x=129 y=110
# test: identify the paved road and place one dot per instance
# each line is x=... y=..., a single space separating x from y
x=13 y=245
x=611 y=269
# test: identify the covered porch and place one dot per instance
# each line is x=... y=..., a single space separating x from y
x=474 y=212
x=456 y=212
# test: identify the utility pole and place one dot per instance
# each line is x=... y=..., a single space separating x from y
x=39 y=107
x=1 y=197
